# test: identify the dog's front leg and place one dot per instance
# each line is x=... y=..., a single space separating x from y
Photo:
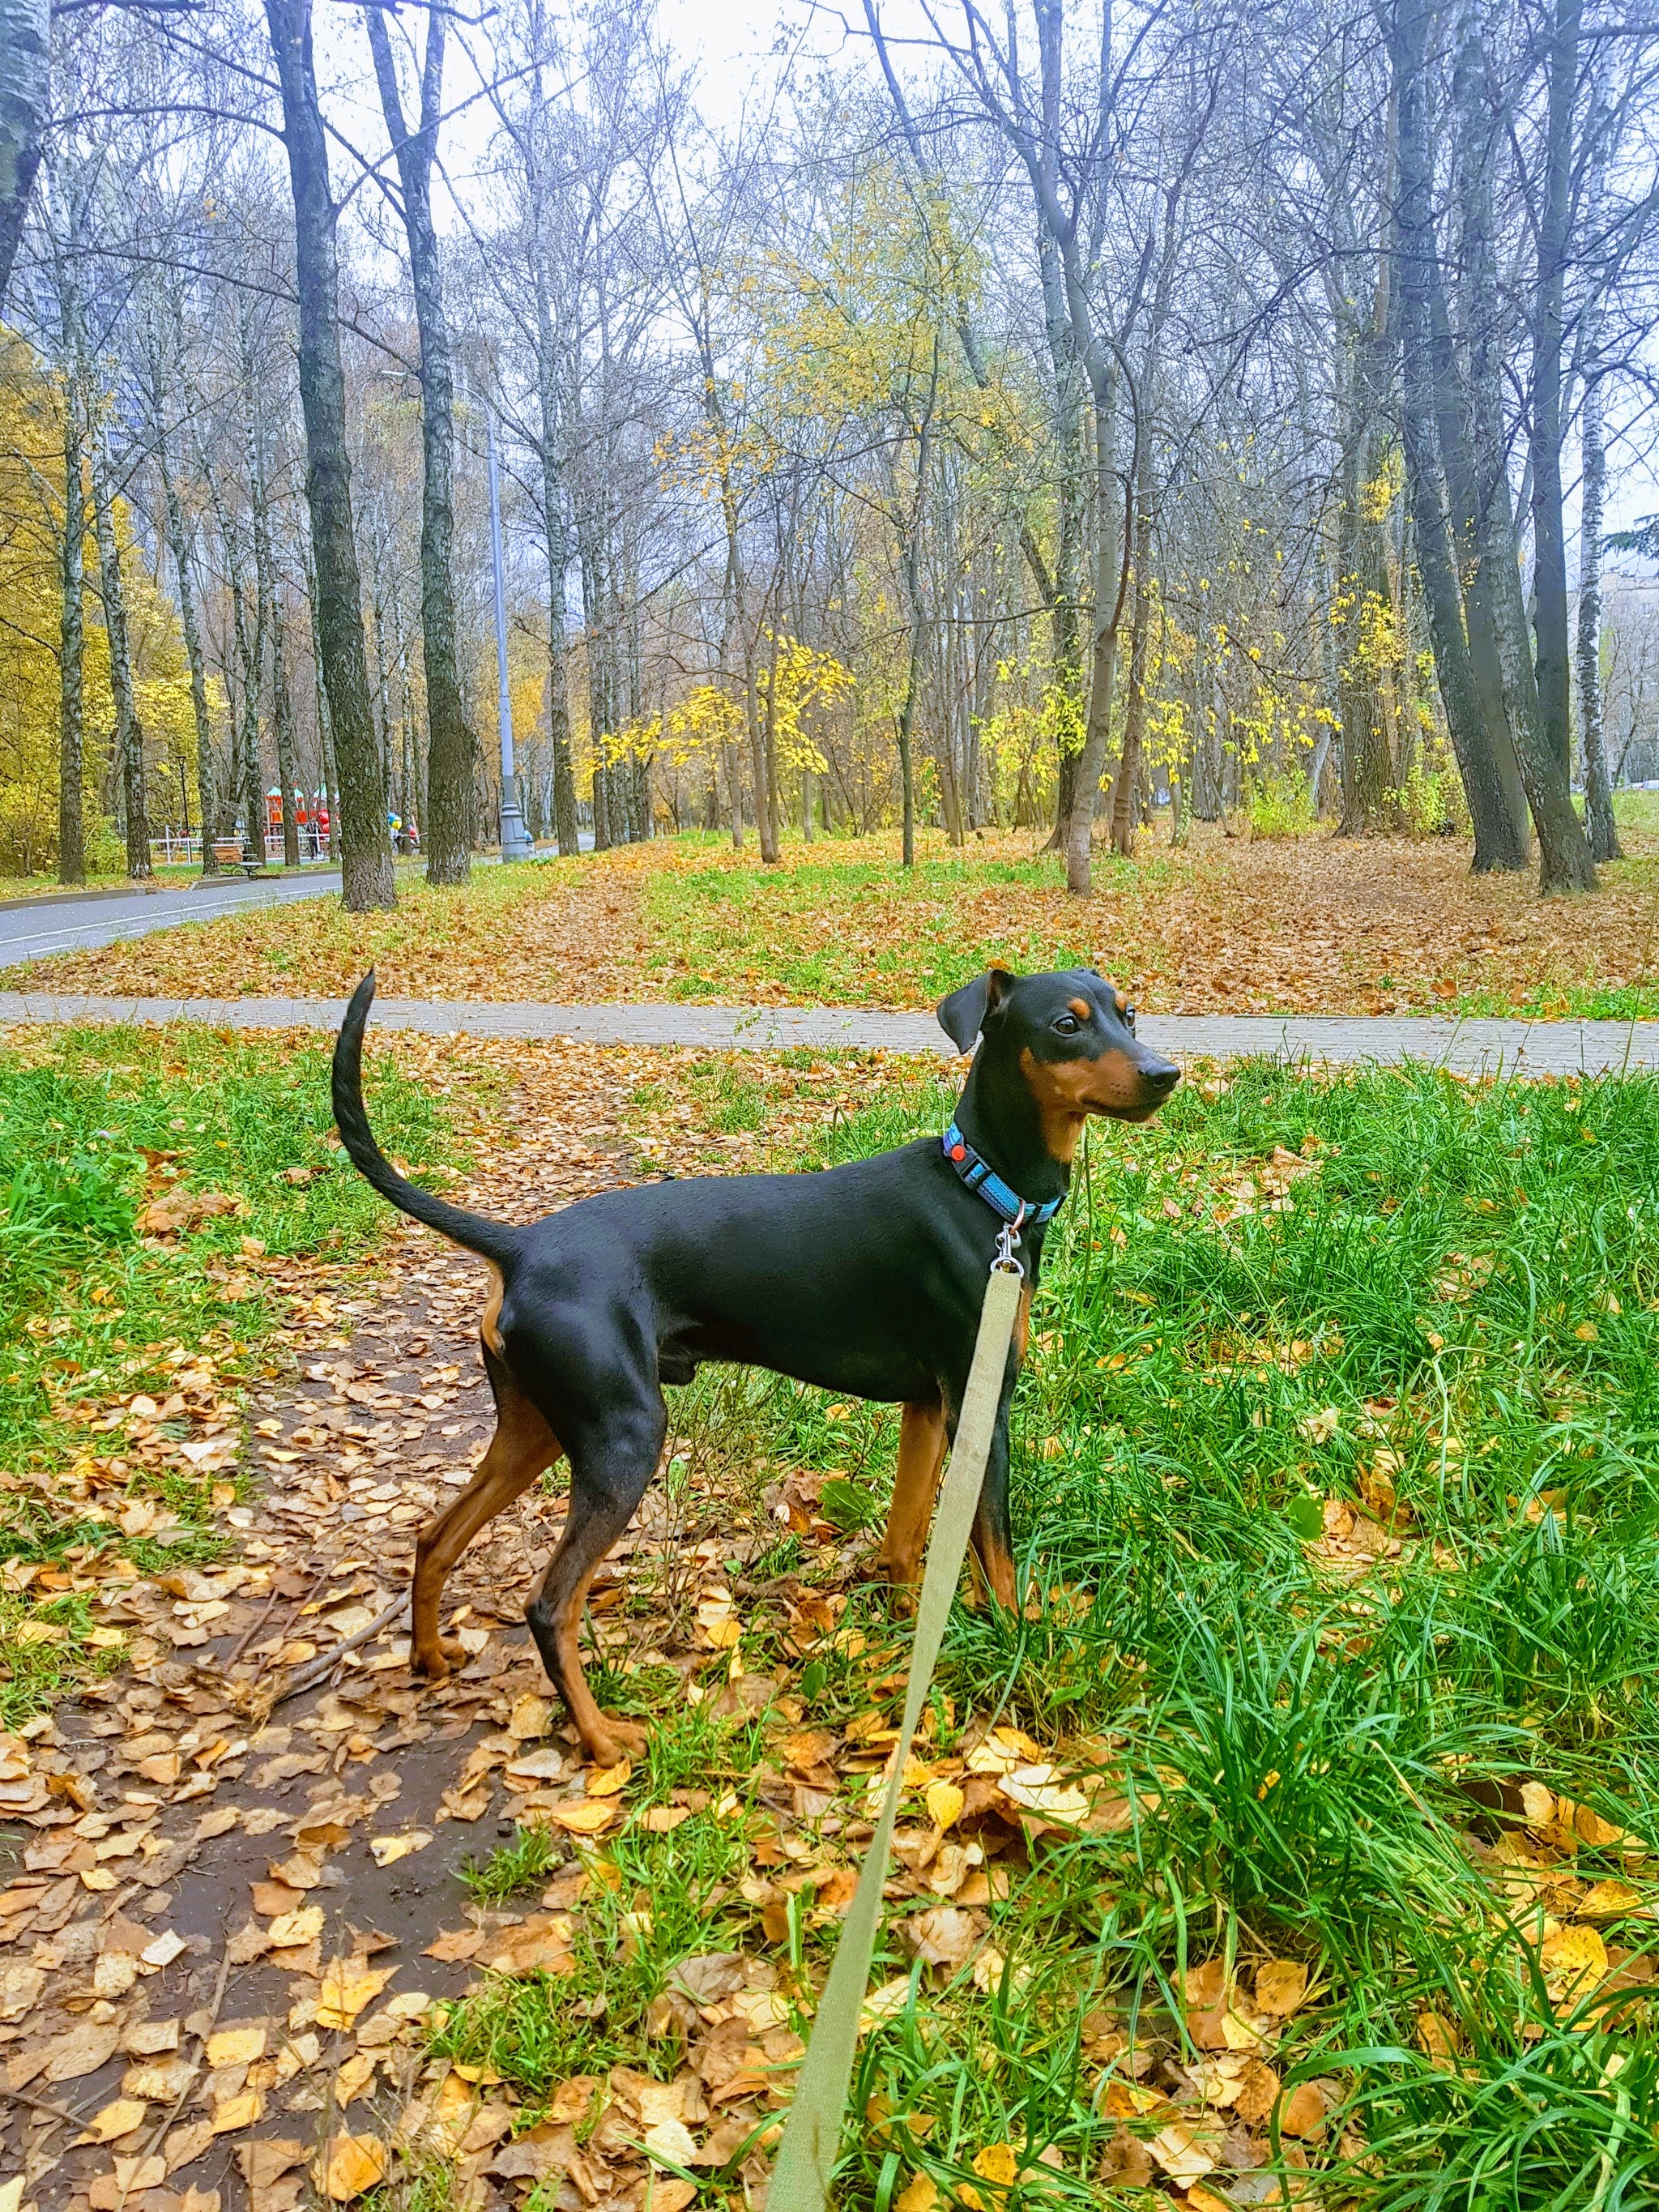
x=916 y=1485
x=993 y=1536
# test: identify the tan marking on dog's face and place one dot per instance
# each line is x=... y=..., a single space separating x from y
x=1068 y=1091
x=489 y=1326
x=1123 y=1002
x=1082 y=1009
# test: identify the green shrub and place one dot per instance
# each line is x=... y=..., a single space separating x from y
x=1280 y=804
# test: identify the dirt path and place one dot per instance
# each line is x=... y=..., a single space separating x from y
x=215 y=1936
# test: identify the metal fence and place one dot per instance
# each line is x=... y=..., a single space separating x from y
x=172 y=849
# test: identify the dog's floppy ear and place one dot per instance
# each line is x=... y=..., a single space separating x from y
x=964 y=1013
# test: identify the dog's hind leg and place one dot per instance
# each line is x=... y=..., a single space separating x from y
x=915 y=1485
x=607 y=1481
x=522 y=1448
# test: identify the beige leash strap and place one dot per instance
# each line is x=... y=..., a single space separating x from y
x=800 y=2178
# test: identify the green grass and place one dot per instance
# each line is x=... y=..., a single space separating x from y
x=1467 y=1282
x=1637 y=813
x=91 y=1313
x=839 y=932
x=514 y=1868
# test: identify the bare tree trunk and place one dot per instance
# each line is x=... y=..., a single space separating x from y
x=270 y=625
x=1124 y=783
x=1498 y=838
x=129 y=732
x=914 y=608
x=71 y=651
x=451 y=745
x=178 y=545
x=281 y=715
x=366 y=847
x=1362 y=582
x=1549 y=529
x=1599 y=824
x=1111 y=581
x=558 y=680
x=1480 y=487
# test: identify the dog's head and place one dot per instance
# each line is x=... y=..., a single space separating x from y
x=1072 y=1037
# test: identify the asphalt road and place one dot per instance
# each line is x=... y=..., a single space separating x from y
x=67 y=923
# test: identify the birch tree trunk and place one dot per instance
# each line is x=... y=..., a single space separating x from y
x=178 y=545
x=1599 y=824
x=1111 y=579
x=281 y=718
x=1362 y=581
x=271 y=627
x=25 y=101
x=558 y=679
x=71 y=651
x=365 y=846
x=129 y=732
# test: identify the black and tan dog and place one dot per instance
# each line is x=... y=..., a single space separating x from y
x=865 y=1279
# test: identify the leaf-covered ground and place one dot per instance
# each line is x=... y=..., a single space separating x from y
x=1295 y=1844
x=1312 y=924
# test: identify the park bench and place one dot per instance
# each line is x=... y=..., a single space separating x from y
x=229 y=854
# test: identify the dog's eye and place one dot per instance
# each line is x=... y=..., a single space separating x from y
x=1068 y=1024
x=1129 y=1016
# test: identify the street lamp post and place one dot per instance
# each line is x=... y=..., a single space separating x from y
x=515 y=845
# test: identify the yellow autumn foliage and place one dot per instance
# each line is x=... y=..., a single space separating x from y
x=31 y=618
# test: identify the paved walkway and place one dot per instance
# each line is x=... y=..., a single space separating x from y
x=1471 y=1047
x=83 y=921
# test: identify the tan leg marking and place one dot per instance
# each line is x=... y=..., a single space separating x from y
x=606 y=1738
x=915 y=1483
x=522 y=1447
x=996 y=1564
x=1023 y=1321
x=491 y=1327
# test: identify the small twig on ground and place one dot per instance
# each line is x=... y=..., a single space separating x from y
x=254 y=1627
x=319 y=1670
x=41 y=2105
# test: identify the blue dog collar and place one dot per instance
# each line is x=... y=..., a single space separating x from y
x=980 y=1176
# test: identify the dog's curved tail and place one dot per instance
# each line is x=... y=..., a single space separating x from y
x=496 y=1241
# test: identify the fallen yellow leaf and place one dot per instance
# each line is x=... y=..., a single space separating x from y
x=1611 y=1900
x=1280 y=1986
x=944 y=1804
x=236 y=2046
x=351 y=2165
x=346 y=1988
x=998 y=2163
x=610 y=1781
x=386 y=1851
x=289 y=1929
x=1574 y=1959
x=581 y=1819
x=239 y=2111
x=117 y=2119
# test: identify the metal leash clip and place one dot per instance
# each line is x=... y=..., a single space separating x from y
x=1005 y=1263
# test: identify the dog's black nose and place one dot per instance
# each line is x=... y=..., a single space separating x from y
x=1160 y=1075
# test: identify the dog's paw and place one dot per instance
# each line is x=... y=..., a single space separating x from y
x=436 y=1666
x=616 y=1740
